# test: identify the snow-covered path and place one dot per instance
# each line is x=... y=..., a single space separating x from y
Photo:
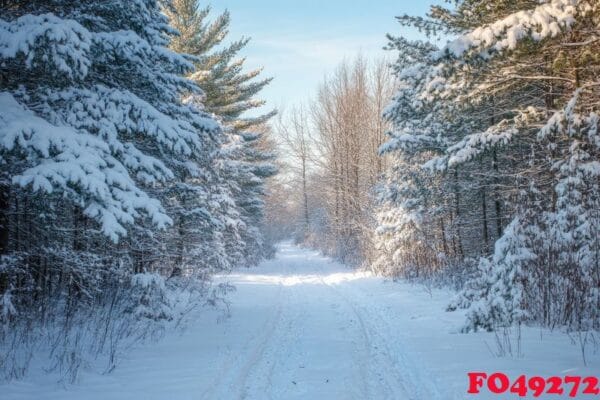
x=304 y=327
x=317 y=337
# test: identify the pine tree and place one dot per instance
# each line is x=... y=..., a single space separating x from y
x=94 y=140
x=229 y=93
x=497 y=113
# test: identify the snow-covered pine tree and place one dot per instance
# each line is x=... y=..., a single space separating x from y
x=511 y=72
x=401 y=242
x=574 y=221
x=229 y=92
x=400 y=238
x=558 y=291
x=428 y=205
x=93 y=136
x=498 y=296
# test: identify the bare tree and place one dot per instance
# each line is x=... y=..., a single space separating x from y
x=333 y=151
x=295 y=133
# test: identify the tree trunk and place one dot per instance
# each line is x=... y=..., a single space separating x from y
x=497 y=199
x=4 y=228
x=486 y=238
x=457 y=212
x=305 y=195
x=444 y=242
x=177 y=270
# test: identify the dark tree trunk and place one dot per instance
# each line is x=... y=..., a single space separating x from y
x=457 y=212
x=177 y=266
x=497 y=199
x=486 y=238
x=444 y=242
x=4 y=227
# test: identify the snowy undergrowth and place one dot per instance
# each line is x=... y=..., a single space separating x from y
x=69 y=339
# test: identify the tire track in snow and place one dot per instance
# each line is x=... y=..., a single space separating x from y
x=359 y=340
x=384 y=369
x=379 y=369
x=234 y=372
x=364 y=357
x=284 y=352
x=276 y=353
x=422 y=385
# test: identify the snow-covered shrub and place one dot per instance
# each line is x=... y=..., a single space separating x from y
x=499 y=300
x=475 y=289
x=150 y=297
x=7 y=308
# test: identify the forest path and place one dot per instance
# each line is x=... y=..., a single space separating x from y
x=319 y=336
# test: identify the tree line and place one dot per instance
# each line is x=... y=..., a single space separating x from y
x=130 y=173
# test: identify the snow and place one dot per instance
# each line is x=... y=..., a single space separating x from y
x=97 y=115
x=114 y=113
x=7 y=306
x=146 y=280
x=473 y=145
x=73 y=158
x=546 y=20
x=67 y=43
x=305 y=327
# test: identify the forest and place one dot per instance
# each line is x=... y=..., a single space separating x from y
x=141 y=166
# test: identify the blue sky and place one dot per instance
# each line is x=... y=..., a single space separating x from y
x=299 y=42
